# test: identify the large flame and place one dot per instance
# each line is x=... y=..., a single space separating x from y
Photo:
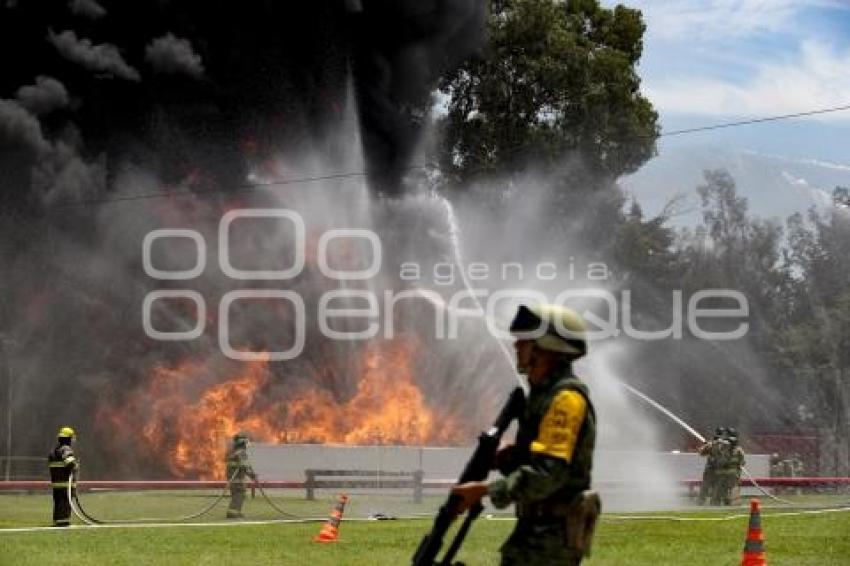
x=188 y=422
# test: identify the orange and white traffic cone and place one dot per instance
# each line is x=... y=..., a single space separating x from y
x=754 y=546
x=330 y=529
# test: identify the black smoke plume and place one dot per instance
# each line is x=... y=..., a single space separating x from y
x=179 y=86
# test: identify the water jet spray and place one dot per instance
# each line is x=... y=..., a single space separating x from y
x=455 y=238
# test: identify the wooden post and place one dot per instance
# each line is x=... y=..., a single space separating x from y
x=417 y=486
x=309 y=484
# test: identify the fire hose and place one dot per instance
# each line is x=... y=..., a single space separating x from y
x=73 y=502
x=88 y=519
x=272 y=505
x=764 y=491
x=85 y=517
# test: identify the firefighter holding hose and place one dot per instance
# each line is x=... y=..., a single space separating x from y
x=712 y=452
x=62 y=463
x=547 y=470
x=729 y=475
x=238 y=469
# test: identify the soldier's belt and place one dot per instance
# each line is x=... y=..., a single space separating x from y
x=545 y=511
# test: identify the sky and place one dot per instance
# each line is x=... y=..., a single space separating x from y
x=711 y=61
x=707 y=62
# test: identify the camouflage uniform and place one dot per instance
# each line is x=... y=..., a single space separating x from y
x=238 y=470
x=791 y=467
x=797 y=471
x=781 y=468
x=549 y=468
x=775 y=466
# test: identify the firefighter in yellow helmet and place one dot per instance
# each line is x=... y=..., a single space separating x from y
x=62 y=463
x=547 y=470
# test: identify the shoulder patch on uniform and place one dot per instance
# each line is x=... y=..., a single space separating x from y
x=561 y=425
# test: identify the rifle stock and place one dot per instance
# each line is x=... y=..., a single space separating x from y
x=476 y=469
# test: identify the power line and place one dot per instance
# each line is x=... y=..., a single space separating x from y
x=333 y=176
x=754 y=121
x=187 y=193
x=242 y=187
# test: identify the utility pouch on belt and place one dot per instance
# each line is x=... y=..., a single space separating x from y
x=581 y=521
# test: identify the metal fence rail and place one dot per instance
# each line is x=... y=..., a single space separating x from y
x=374 y=479
x=140 y=485
x=23 y=467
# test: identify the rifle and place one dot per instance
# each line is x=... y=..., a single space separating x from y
x=477 y=469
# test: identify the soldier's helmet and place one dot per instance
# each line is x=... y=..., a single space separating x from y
x=553 y=328
x=719 y=432
x=66 y=432
x=240 y=439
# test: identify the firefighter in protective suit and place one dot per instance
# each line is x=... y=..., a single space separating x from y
x=62 y=463
x=712 y=452
x=729 y=475
x=238 y=469
x=547 y=471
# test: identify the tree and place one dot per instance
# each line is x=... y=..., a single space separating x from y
x=724 y=212
x=643 y=250
x=815 y=343
x=744 y=251
x=733 y=381
x=841 y=197
x=556 y=78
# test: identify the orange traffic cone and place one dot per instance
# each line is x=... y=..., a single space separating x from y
x=754 y=547
x=330 y=529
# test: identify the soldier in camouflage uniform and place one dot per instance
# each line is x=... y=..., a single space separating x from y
x=775 y=465
x=547 y=470
x=238 y=469
x=797 y=470
x=777 y=470
x=790 y=467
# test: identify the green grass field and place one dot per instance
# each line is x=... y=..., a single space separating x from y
x=799 y=540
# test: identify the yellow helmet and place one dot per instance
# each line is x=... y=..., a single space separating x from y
x=563 y=329
x=66 y=432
